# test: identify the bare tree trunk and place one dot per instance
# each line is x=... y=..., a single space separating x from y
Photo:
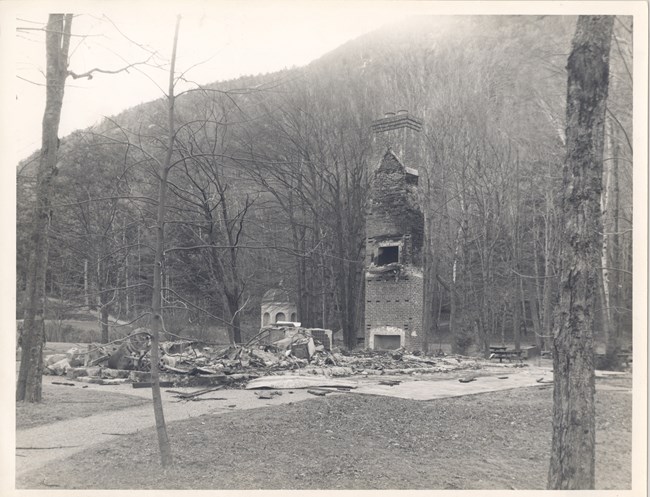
x=535 y=297
x=156 y=300
x=233 y=302
x=535 y=314
x=104 y=317
x=603 y=279
x=86 y=297
x=29 y=385
x=516 y=314
x=127 y=307
x=572 y=464
x=548 y=283
x=610 y=209
x=516 y=318
x=102 y=305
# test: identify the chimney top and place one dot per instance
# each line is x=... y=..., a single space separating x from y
x=395 y=121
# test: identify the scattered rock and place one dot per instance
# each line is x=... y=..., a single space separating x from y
x=88 y=371
x=59 y=368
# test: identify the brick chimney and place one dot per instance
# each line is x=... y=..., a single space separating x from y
x=401 y=132
x=394 y=237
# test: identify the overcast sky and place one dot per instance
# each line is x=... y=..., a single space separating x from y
x=218 y=40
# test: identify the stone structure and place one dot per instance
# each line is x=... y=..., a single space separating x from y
x=394 y=238
x=277 y=306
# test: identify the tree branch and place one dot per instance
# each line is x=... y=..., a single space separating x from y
x=89 y=74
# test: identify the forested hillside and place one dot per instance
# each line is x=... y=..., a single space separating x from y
x=270 y=178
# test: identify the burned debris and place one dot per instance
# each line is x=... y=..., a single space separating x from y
x=289 y=353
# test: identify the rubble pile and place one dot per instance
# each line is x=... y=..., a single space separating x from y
x=401 y=362
x=273 y=351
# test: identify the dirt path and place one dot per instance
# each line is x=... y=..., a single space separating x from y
x=38 y=446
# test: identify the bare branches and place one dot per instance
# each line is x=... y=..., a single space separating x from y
x=89 y=74
x=30 y=81
x=53 y=31
x=198 y=308
x=140 y=45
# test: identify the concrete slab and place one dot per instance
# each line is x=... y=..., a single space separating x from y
x=438 y=389
x=289 y=382
x=610 y=374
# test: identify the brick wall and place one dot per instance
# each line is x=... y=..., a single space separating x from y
x=395 y=302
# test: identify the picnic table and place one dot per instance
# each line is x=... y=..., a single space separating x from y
x=501 y=352
x=625 y=356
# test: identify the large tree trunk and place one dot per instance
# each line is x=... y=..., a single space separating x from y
x=233 y=302
x=572 y=463
x=29 y=385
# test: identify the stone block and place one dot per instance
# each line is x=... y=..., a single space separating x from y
x=139 y=376
x=115 y=373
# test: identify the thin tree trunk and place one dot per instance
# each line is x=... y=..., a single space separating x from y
x=428 y=305
x=156 y=300
x=127 y=307
x=516 y=301
x=548 y=281
x=503 y=323
x=535 y=314
x=86 y=297
x=535 y=298
x=29 y=384
x=610 y=208
x=516 y=314
x=572 y=464
x=603 y=280
x=103 y=313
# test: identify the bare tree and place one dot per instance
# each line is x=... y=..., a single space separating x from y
x=57 y=44
x=573 y=447
x=156 y=299
x=58 y=33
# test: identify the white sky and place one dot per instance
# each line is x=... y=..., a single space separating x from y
x=225 y=39
x=231 y=38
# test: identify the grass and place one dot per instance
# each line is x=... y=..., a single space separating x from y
x=62 y=402
x=498 y=440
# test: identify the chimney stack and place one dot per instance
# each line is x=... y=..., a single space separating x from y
x=399 y=132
